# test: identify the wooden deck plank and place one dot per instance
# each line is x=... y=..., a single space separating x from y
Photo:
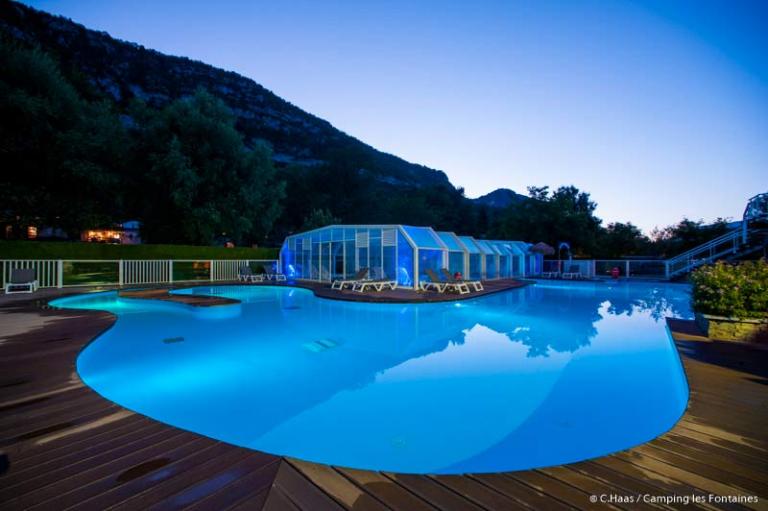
x=55 y=487
x=589 y=484
x=337 y=486
x=36 y=431
x=746 y=453
x=575 y=497
x=756 y=470
x=687 y=477
x=713 y=472
x=84 y=443
x=521 y=493
x=74 y=461
x=276 y=500
x=625 y=485
x=478 y=493
x=82 y=493
x=255 y=482
x=386 y=490
x=661 y=483
x=61 y=409
x=727 y=435
x=302 y=492
x=134 y=483
x=434 y=493
x=263 y=465
x=173 y=485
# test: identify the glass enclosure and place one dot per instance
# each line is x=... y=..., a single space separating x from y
x=456 y=253
x=404 y=253
x=490 y=259
x=474 y=258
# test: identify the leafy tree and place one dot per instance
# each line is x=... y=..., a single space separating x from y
x=567 y=214
x=685 y=235
x=62 y=157
x=622 y=239
x=200 y=179
x=319 y=218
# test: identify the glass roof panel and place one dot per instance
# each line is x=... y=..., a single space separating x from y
x=512 y=248
x=500 y=247
x=423 y=237
x=485 y=248
x=450 y=241
x=469 y=242
x=521 y=246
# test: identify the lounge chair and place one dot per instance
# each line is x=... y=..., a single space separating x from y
x=276 y=274
x=244 y=274
x=22 y=280
x=550 y=274
x=342 y=283
x=379 y=282
x=574 y=272
x=441 y=287
x=476 y=284
x=433 y=283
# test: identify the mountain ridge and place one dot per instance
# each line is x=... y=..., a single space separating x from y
x=125 y=70
x=500 y=198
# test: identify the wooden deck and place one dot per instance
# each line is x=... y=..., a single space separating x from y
x=411 y=296
x=324 y=290
x=69 y=448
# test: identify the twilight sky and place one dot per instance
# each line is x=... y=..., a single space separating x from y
x=659 y=109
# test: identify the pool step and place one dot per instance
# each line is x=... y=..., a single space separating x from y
x=321 y=345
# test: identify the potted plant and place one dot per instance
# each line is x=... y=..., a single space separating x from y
x=731 y=300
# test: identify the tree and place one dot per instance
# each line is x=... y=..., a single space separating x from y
x=62 y=157
x=685 y=235
x=200 y=179
x=622 y=239
x=319 y=218
x=567 y=214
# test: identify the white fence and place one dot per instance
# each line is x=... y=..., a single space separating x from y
x=604 y=268
x=120 y=272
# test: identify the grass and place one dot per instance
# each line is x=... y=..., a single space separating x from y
x=106 y=272
x=89 y=251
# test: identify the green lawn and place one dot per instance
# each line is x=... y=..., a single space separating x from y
x=80 y=250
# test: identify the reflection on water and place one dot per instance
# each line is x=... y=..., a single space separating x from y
x=535 y=376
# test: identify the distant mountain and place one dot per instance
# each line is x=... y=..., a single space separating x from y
x=500 y=198
x=123 y=70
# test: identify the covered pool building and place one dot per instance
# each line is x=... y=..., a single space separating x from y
x=403 y=253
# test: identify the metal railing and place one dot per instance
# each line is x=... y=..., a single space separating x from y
x=731 y=243
x=728 y=243
x=630 y=268
x=604 y=268
x=121 y=272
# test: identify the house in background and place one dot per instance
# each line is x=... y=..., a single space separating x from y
x=22 y=231
x=126 y=233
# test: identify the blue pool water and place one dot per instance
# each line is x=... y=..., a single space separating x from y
x=544 y=375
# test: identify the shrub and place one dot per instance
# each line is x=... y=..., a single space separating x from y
x=733 y=290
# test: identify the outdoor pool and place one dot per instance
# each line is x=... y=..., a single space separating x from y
x=543 y=375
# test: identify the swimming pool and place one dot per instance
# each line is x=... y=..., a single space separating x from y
x=543 y=375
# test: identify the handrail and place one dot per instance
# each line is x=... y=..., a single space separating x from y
x=736 y=233
x=728 y=243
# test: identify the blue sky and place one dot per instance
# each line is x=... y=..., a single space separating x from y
x=659 y=109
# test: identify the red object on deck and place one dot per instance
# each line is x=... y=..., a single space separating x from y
x=615 y=272
x=458 y=276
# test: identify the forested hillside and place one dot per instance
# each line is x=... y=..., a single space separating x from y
x=94 y=131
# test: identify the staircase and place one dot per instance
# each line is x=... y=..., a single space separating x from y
x=731 y=245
